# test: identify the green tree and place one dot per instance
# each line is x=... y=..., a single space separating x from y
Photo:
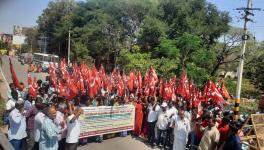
x=167 y=48
x=196 y=17
x=55 y=23
x=3 y=45
x=32 y=40
x=152 y=31
x=169 y=34
x=188 y=44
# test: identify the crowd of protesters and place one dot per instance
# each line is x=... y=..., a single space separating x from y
x=45 y=114
x=49 y=121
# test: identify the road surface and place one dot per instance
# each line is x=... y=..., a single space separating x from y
x=117 y=143
x=21 y=72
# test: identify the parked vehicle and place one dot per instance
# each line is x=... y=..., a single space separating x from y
x=44 y=60
x=25 y=58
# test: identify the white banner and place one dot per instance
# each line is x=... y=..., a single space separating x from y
x=106 y=119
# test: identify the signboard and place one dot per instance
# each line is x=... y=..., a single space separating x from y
x=19 y=39
x=257 y=121
x=106 y=119
x=6 y=38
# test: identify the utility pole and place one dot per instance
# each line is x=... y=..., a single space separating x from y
x=45 y=45
x=69 y=34
x=248 y=12
x=69 y=47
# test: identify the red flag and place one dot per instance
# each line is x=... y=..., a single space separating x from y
x=92 y=88
x=63 y=68
x=139 y=80
x=130 y=82
x=173 y=96
x=211 y=91
x=14 y=76
x=62 y=90
x=52 y=74
x=161 y=88
x=146 y=78
x=218 y=84
x=153 y=79
x=224 y=91
x=120 y=86
x=80 y=85
x=73 y=88
x=35 y=83
x=31 y=90
x=173 y=81
x=183 y=87
x=107 y=84
x=167 y=92
x=146 y=90
x=102 y=72
x=152 y=90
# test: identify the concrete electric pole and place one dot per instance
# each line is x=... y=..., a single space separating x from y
x=69 y=47
x=248 y=12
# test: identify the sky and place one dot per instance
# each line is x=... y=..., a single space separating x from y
x=25 y=13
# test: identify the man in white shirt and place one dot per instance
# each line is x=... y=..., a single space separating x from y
x=153 y=110
x=182 y=128
x=17 y=130
x=73 y=130
x=172 y=112
x=59 y=120
x=29 y=101
x=10 y=105
x=162 y=125
x=38 y=121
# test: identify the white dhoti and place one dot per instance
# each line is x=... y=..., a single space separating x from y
x=179 y=144
x=181 y=130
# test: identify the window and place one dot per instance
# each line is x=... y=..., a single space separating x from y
x=47 y=58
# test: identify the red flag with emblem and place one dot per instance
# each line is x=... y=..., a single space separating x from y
x=153 y=78
x=183 y=87
x=120 y=86
x=62 y=89
x=72 y=87
x=14 y=76
x=52 y=74
x=63 y=68
x=31 y=90
x=146 y=90
x=211 y=91
x=167 y=91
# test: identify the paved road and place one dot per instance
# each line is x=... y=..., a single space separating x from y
x=21 y=72
x=117 y=143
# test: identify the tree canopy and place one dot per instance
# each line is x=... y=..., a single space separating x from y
x=169 y=34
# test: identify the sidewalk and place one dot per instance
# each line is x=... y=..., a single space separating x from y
x=3 y=91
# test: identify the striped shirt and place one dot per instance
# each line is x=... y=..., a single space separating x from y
x=49 y=135
x=209 y=139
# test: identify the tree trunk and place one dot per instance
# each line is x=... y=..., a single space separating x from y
x=215 y=69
